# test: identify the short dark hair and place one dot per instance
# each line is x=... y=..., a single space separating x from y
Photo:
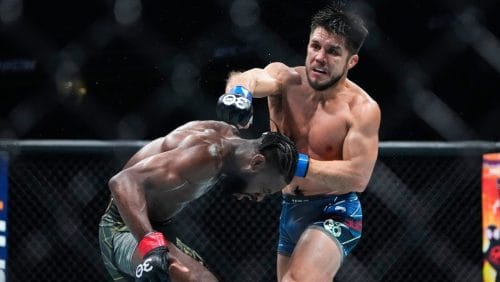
x=280 y=152
x=337 y=18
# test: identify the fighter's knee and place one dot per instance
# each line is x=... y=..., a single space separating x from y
x=291 y=276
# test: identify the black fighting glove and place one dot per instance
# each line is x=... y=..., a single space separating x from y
x=154 y=251
x=236 y=107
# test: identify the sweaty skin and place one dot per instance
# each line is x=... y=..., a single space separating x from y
x=167 y=174
x=328 y=116
x=170 y=172
x=336 y=127
x=332 y=120
x=333 y=124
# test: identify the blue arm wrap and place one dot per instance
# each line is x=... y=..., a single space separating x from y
x=302 y=165
x=241 y=91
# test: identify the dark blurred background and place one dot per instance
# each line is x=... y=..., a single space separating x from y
x=130 y=69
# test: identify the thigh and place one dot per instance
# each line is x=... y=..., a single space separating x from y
x=317 y=257
x=116 y=248
x=282 y=263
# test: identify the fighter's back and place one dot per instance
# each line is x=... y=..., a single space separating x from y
x=181 y=166
x=184 y=136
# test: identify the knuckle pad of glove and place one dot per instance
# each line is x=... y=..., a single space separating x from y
x=160 y=257
x=154 y=266
x=234 y=109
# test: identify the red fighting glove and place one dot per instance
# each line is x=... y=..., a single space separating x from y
x=154 y=250
x=151 y=241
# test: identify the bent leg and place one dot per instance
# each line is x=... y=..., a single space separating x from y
x=317 y=257
x=282 y=265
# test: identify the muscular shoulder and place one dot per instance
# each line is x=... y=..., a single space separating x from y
x=358 y=95
x=363 y=106
x=193 y=159
x=198 y=131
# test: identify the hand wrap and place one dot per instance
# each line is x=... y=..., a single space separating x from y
x=302 y=165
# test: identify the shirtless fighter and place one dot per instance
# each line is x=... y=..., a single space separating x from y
x=165 y=176
x=334 y=124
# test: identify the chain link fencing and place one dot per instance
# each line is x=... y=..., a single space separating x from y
x=422 y=216
x=131 y=69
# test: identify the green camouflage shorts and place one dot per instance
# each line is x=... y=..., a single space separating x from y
x=117 y=246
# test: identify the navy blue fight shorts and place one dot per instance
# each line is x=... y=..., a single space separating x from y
x=339 y=216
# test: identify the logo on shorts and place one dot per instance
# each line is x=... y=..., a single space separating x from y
x=333 y=227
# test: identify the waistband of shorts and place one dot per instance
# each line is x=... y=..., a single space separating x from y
x=112 y=210
x=289 y=198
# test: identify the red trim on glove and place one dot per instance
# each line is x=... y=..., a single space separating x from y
x=152 y=241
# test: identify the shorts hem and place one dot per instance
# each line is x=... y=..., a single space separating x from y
x=284 y=253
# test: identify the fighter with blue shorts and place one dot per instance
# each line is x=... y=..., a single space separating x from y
x=334 y=123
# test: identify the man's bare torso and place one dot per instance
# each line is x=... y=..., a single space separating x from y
x=192 y=156
x=318 y=122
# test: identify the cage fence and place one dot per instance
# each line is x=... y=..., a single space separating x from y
x=422 y=215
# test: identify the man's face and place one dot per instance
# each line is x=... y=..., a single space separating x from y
x=327 y=59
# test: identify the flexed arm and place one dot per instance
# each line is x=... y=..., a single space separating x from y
x=166 y=178
x=263 y=82
x=128 y=190
x=235 y=105
x=360 y=150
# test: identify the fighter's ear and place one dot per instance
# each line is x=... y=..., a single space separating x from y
x=257 y=162
x=353 y=60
